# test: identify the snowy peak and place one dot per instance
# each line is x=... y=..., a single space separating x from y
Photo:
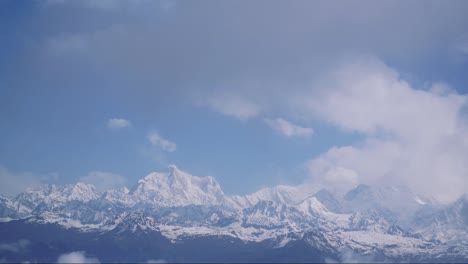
x=178 y=179
x=135 y=222
x=265 y=214
x=119 y=196
x=281 y=194
x=400 y=194
x=177 y=205
x=312 y=206
x=329 y=200
x=82 y=192
x=455 y=214
x=46 y=197
x=7 y=208
x=397 y=204
x=178 y=188
x=25 y=202
x=5 y=200
x=460 y=211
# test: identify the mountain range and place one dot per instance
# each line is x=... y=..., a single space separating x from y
x=176 y=217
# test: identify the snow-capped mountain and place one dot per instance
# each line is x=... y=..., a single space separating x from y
x=178 y=188
x=398 y=204
x=279 y=194
x=384 y=222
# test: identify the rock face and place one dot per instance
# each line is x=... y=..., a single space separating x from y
x=175 y=208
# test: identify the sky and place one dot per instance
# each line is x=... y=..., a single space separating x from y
x=254 y=93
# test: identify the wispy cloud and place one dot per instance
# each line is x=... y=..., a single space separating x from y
x=288 y=129
x=117 y=123
x=15 y=247
x=233 y=105
x=104 y=180
x=160 y=142
x=76 y=257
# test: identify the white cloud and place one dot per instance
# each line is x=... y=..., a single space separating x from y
x=162 y=143
x=287 y=128
x=14 y=182
x=76 y=257
x=233 y=105
x=413 y=137
x=16 y=247
x=156 y=261
x=368 y=96
x=104 y=180
x=117 y=123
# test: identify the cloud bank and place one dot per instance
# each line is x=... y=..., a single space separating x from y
x=76 y=257
x=415 y=137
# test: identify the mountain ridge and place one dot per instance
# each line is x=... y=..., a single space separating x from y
x=180 y=206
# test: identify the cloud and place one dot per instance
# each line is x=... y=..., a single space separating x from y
x=414 y=137
x=15 y=247
x=118 y=123
x=350 y=256
x=76 y=257
x=368 y=97
x=287 y=128
x=14 y=182
x=245 y=77
x=104 y=180
x=233 y=105
x=162 y=143
x=156 y=261
x=275 y=52
x=114 y=5
x=284 y=67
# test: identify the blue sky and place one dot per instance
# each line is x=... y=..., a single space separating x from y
x=253 y=93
